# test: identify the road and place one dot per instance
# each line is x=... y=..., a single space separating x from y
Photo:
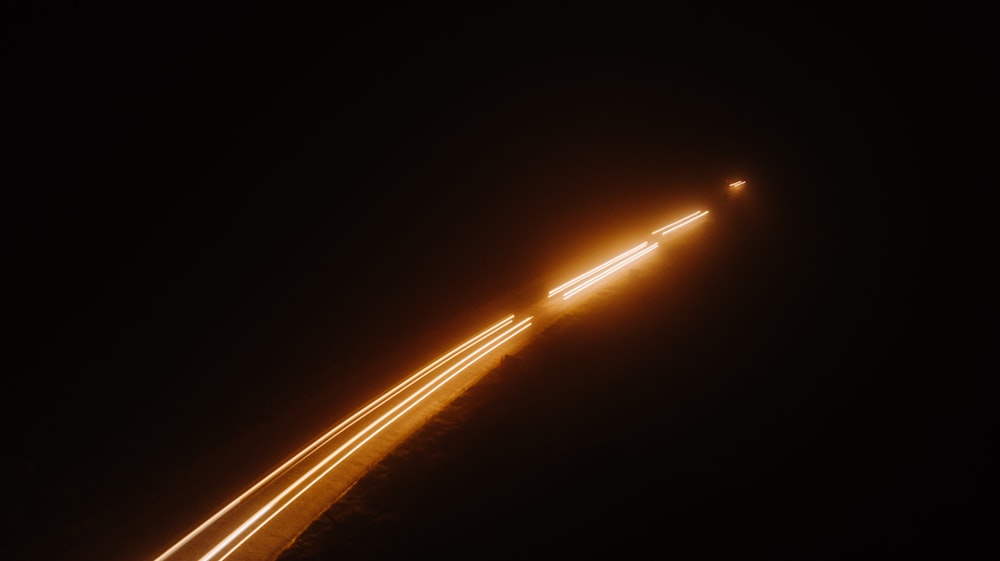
x=260 y=523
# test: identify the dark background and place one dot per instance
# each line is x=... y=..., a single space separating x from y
x=211 y=215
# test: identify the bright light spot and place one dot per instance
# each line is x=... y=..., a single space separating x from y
x=737 y=184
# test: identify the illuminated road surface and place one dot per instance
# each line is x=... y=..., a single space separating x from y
x=266 y=519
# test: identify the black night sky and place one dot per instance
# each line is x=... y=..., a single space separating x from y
x=213 y=215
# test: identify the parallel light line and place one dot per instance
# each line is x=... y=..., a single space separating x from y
x=609 y=271
x=473 y=350
x=596 y=270
x=416 y=398
x=341 y=427
x=680 y=223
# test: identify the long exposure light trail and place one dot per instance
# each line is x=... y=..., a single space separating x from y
x=261 y=520
x=607 y=272
x=348 y=423
x=356 y=442
x=596 y=270
x=680 y=223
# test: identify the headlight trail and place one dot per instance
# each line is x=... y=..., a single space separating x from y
x=680 y=223
x=581 y=282
x=340 y=428
x=596 y=270
x=307 y=480
x=234 y=532
x=607 y=272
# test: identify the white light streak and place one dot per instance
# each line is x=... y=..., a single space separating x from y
x=596 y=270
x=604 y=274
x=374 y=428
x=680 y=223
x=340 y=428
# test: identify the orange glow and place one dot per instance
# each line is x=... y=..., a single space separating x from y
x=737 y=184
x=228 y=534
x=680 y=223
x=596 y=270
x=372 y=407
x=338 y=456
x=607 y=272
x=375 y=427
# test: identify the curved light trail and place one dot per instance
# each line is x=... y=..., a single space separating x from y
x=310 y=478
x=506 y=331
x=227 y=534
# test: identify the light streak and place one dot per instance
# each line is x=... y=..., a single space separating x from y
x=375 y=427
x=596 y=270
x=335 y=431
x=607 y=272
x=737 y=184
x=388 y=412
x=680 y=223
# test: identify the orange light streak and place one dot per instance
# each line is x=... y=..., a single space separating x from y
x=596 y=270
x=340 y=428
x=592 y=280
x=680 y=223
x=374 y=428
x=392 y=404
